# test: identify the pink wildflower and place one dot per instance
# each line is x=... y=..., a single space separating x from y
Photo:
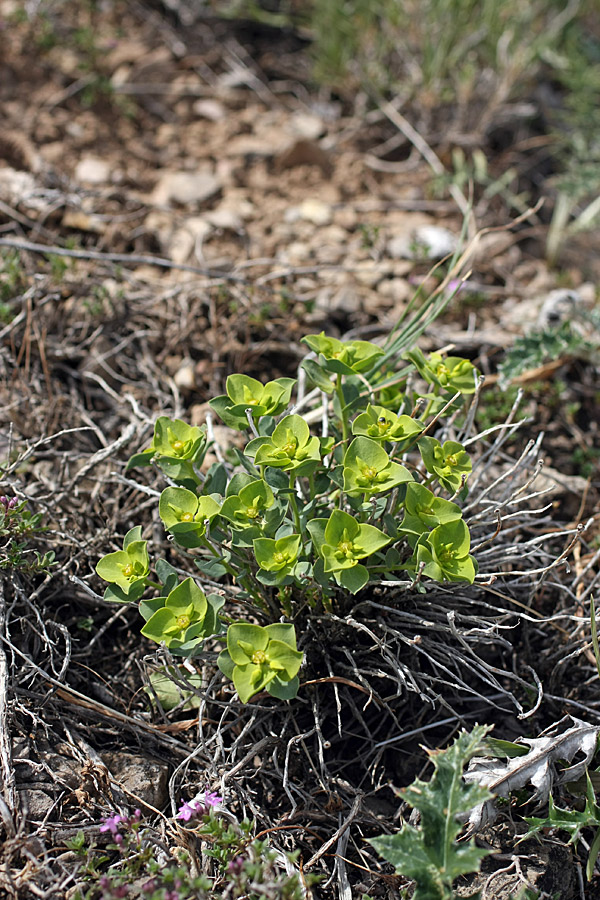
x=111 y=823
x=198 y=807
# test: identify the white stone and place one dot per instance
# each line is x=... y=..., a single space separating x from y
x=315 y=211
x=186 y=188
x=92 y=170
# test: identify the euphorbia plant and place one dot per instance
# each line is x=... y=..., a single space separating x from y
x=302 y=516
x=126 y=570
x=258 y=659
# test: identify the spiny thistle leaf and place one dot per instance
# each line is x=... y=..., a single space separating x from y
x=430 y=854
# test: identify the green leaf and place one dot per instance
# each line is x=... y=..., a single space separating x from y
x=318 y=375
x=283 y=659
x=284 y=690
x=316 y=529
x=214 y=568
x=114 y=594
x=354 y=579
x=226 y=664
x=250 y=679
x=370 y=539
x=430 y=854
x=380 y=424
x=449 y=462
x=368 y=469
x=139 y=459
x=134 y=534
x=170 y=694
x=147 y=608
x=164 y=570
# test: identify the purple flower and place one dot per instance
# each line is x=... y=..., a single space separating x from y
x=111 y=823
x=198 y=807
x=9 y=502
x=189 y=811
x=235 y=865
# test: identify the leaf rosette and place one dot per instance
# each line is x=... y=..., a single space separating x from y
x=443 y=554
x=424 y=511
x=342 y=542
x=262 y=658
x=343 y=357
x=185 y=515
x=176 y=446
x=183 y=619
x=380 y=424
x=450 y=373
x=369 y=470
x=290 y=448
x=244 y=392
x=449 y=462
x=252 y=510
x=126 y=570
x=277 y=557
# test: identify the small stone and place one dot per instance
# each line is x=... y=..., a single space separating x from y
x=315 y=211
x=92 y=170
x=296 y=254
x=209 y=109
x=225 y=218
x=186 y=188
x=370 y=272
x=140 y=777
x=397 y=289
x=307 y=126
x=185 y=376
x=425 y=242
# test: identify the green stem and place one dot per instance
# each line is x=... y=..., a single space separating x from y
x=153 y=584
x=294 y=506
x=343 y=414
x=243 y=580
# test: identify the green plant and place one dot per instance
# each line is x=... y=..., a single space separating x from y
x=12 y=279
x=430 y=854
x=243 y=866
x=568 y=340
x=17 y=527
x=573 y=821
x=298 y=516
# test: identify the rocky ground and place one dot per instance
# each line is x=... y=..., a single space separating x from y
x=179 y=202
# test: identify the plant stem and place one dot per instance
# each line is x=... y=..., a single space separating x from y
x=294 y=506
x=343 y=414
